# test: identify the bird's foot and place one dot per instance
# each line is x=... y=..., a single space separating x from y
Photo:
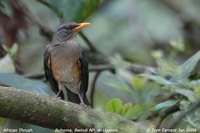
x=56 y=96
x=85 y=106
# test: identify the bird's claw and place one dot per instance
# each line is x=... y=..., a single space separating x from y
x=85 y=106
x=57 y=97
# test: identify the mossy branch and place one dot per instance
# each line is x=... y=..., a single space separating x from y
x=53 y=113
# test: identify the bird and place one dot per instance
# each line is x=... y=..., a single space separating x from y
x=65 y=64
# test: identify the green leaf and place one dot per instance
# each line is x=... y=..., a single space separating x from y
x=157 y=79
x=74 y=10
x=126 y=109
x=19 y=82
x=136 y=110
x=189 y=65
x=165 y=104
x=114 y=105
x=138 y=82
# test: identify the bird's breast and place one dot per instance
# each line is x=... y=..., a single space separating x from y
x=64 y=64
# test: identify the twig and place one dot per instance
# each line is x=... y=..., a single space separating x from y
x=138 y=68
x=176 y=121
x=103 y=67
x=93 y=87
x=39 y=75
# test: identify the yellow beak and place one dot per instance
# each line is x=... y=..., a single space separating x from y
x=81 y=25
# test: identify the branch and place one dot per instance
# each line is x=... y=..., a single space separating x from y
x=52 y=113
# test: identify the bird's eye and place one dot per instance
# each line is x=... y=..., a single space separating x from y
x=63 y=28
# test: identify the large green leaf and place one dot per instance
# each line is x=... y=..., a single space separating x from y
x=74 y=10
x=189 y=65
x=19 y=82
x=165 y=104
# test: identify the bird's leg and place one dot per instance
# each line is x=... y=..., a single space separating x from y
x=57 y=95
x=81 y=96
x=60 y=87
x=81 y=99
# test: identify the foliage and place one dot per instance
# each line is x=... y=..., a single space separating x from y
x=174 y=83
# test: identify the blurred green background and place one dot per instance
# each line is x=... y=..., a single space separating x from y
x=162 y=34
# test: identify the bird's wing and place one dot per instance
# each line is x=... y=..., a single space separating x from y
x=84 y=77
x=47 y=69
x=84 y=73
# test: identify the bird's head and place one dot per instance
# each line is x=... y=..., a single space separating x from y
x=68 y=30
